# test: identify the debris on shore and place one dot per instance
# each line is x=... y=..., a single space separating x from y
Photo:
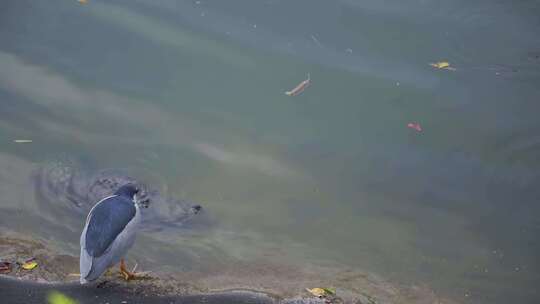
x=264 y=278
x=29 y=264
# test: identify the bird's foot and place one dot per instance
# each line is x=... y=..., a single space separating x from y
x=102 y=284
x=132 y=275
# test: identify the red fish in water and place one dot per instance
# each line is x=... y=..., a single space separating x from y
x=414 y=125
x=300 y=88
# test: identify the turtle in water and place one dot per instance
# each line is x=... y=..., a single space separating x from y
x=69 y=193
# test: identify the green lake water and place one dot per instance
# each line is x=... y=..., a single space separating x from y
x=189 y=96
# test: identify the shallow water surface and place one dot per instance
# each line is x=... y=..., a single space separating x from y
x=188 y=97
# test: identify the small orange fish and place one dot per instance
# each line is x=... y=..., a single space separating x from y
x=299 y=88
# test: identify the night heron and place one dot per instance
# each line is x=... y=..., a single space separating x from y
x=109 y=233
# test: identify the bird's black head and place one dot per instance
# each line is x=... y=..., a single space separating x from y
x=128 y=190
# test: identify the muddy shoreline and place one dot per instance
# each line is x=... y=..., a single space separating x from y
x=246 y=284
x=15 y=291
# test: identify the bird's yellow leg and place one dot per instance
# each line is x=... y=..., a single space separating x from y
x=124 y=272
x=131 y=275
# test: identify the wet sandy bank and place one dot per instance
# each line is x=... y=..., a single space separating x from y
x=239 y=283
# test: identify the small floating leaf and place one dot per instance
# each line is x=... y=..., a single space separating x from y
x=56 y=297
x=29 y=264
x=300 y=87
x=442 y=65
x=414 y=125
x=318 y=292
x=82 y=1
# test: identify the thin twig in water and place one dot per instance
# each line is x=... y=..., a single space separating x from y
x=316 y=40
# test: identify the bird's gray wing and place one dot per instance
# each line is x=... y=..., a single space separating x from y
x=106 y=222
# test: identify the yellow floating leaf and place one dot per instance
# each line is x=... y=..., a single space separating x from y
x=29 y=265
x=56 y=297
x=318 y=292
x=440 y=65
